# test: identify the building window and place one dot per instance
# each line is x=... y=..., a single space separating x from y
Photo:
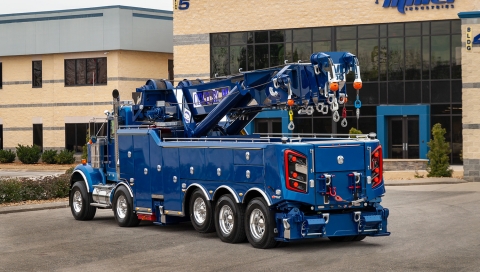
x=401 y=63
x=37 y=74
x=76 y=134
x=38 y=135
x=170 y=70
x=1 y=76
x=83 y=72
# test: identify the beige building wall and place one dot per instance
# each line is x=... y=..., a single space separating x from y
x=54 y=104
x=192 y=27
x=471 y=101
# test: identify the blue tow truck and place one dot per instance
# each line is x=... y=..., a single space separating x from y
x=181 y=153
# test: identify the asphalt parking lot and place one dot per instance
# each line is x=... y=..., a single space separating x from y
x=434 y=228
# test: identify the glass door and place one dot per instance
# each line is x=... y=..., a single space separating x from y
x=404 y=138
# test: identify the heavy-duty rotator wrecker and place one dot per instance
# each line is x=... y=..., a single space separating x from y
x=181 y=153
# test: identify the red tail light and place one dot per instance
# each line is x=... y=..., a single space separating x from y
x=296 y=171
x=377 y=166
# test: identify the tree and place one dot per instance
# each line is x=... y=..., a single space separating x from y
x=438 y=166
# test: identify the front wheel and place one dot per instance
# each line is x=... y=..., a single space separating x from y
x=229 y=220
x=123 y=208
x=201 y=213
x=260 y=224
x=79 y=202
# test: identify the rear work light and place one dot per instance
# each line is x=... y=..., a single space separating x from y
x=377 y=166
x=296 y=171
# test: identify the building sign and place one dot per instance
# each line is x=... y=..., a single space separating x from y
x=209 y=97
x=181 y=4
x=417 y=5
x=469 y=41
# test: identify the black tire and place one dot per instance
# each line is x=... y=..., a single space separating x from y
x=201 y=212
x=342 y=238
x=229 y=220
x=79 y=202
x=123 y=208
x=260 y=224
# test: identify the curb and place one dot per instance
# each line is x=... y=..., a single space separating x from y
x=424 y=183
x=37 y=207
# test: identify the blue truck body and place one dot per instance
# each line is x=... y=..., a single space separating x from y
x=180 y=154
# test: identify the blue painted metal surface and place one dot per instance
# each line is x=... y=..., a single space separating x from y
x=171 y=141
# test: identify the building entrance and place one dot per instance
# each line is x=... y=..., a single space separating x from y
x=404 y=137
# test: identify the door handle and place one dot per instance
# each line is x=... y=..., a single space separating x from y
x=406 y=146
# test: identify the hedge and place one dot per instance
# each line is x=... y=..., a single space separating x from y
x=16 y=190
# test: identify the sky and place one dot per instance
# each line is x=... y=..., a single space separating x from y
x=21 y=6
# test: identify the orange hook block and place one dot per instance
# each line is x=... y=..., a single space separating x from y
x=357 y=85
x=334 y=86
x=290 y=102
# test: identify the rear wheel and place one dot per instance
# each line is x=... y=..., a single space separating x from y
x=79 y=202
x=123 y=208
x=229 y=220
x=260 y=224
x=201 y=213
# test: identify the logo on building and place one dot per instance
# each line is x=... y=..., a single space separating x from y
x=417 y=5
x=181 y=4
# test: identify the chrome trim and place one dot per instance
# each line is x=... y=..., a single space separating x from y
x=312 y=170
x=84 y=179
x=261 y=192
x=146 y=213
x=201 y=187
x=174 y=213
x=157 y=196
x=234 y=194
x=357 y=216
x=126 y=185
x=326 y=217
x=100 y=205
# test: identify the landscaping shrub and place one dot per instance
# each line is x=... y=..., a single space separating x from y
x=65 y=157
x=354 y=131
x=69 y=171
x=48 y=156
x=438 y=166
x=16 y=190
x=7 y=156
x=28 y=154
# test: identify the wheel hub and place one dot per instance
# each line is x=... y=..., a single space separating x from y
x=121 y=206
x=257 y=224
x=77 y=201
x=199 y=211
x=226 y=220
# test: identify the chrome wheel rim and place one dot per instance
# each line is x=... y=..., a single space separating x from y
x=257 y=224
x=225 y=219
x=199 y=211
x=121 y=206
x=77 y=201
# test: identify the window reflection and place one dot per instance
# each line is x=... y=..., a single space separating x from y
x=302 y=51
x=440 y=57
x=395 y=59
x=413 y=58
x=401 y=63
x=368 y=57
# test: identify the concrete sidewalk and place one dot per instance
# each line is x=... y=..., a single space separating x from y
x=64 y=204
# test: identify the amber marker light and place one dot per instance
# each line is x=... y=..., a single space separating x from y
x=84 y=161
x=334 y=86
